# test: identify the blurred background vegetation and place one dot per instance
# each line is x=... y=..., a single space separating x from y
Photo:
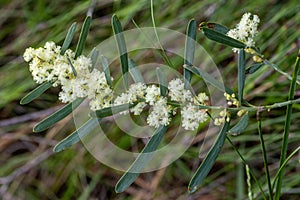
x=30 y=170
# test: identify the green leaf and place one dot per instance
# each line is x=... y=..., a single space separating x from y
x=142 y=160
x=217 y=27
x=189 y=50
x=222 y=38
x=68 y=39
x=135 y=72
x=162 y=82
x=76 y=136
x=57 y=116
x=106 y=70
x=118 y=31
x=240 y=126
x=94 y=58
x=105 y=112
x=209 y=78
x=35 y=93
x=253 y=68
x=209 y=160
x=83 y=36
x=241 y=73
x=72 y=67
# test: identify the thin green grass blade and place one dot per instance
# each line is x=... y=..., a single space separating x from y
x=222 y=38
x=142 y=160
x=83 y=36
x=210 y=79
x=162 y=82
x=189 y=52
x=35 y=93
x=118 y=31
x=241 y=73
x=57 y=116
x=76 y=136
x=240 y=126
x=68 y=39
x=105 y=112
x=106 y=70
x=209 y=160
x=253 y=68
x=135 y=72
x=94 y=58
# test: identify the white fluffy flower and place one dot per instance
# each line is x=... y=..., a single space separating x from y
x=246 y=30
x=177 y=91
x=136 y=91
x=200 y=99
x=160 y=114
x=152 y=94
x=192 y=116
x=136 y=110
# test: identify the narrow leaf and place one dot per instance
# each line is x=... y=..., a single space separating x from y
x=94 y=58
x=118 y=31
x=222 y=38
x=253 y=68
x=105 y=112
x=68 y=39
x=240 y=126
x=135 y=72
x=209 y=160
x=76 y=136
x=106 y=70
x=189 y=50
x=162 y=82
x=35 y=93
x=208 y=78
x=241 y=73
x=83 y=36
x=57 y=116
x=142 y=160
x=73 y=68
x=217 y=27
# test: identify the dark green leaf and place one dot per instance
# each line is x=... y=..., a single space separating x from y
x=68 y=38
x=71 y=65
x=241 y=73
x=76 y=136
x=83 y=36
x=142 y=160
x=35 y=93
x=209 y=160
x=209 y=78
x=162 y=82
x=135 y=72
x=189 y=50
x=105 y=112
x=94 y=58
x=222 y=38
x=253 y=68
x=240 y=126
x=217 y=27
x=106 y=70
x=118 y=31
x=57 y=116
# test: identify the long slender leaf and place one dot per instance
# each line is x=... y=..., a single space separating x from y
x=210 y=79
x=35 y=93
x=106 y=70
x=118 y=31
x=94 y=58
x=222 y=38
x=253 y=68
x=162 y=82
x=209 y=160
x=241 y=73
x=217 y=27
x=240 y=126
x=68 y=38
x=105 y=112
x=142 y=160
x=76 y=136
x=57 y=116
x=135 y=72
x=72 y=67
x=83 y=36
x=189 y=50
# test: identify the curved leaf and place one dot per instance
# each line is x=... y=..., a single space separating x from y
x=253 y=68
x=240 y=126
x=209 y=160
x=83 y=36
x=38 y=91
x=57 y=116
x=106 y=70
x=135 y=72
x=105 y=112
x=217 y=27
x=68 y=38
x=142 y=160
x=94 y=58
